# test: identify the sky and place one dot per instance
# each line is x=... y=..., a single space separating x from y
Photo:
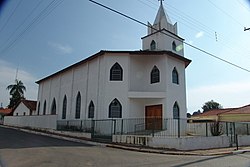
x=41 y=37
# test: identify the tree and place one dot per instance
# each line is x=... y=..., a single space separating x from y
x=16 y=92
x=210 y=105
x=196 y=112
x=216 y=128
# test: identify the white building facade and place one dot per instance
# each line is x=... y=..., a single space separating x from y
x=122 y=84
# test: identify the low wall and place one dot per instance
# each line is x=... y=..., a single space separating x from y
x=34 y=121
x=183 y=143
x=244 y=140
x=190 y=143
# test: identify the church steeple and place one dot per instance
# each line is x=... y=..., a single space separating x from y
x=161 y=17
x=162 y=35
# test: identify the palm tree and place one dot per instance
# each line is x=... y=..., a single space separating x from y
x=16 y=91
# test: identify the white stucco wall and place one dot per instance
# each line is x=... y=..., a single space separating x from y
x=135 y=92
x=176 y=92
x=163 y=42
x=43 y=122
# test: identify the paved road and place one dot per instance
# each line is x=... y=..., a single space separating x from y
x=20 y=149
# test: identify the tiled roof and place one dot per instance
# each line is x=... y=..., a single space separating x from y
x=5 y=111
x=240 y=110
x=213 y=112
x=30 y=104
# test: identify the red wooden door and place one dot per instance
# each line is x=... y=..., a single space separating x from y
x=153 y=117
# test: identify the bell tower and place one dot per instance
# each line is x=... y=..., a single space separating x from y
x=163 y=35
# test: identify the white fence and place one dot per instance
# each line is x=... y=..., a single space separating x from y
x=35 y=121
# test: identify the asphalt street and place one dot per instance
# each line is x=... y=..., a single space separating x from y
x=21 y=149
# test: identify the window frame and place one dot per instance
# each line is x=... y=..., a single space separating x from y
x=38 y=108
x=113 y=113
x=155 y=75
x=174 y=46
x=176 y=111
x=64 y=107
x=44 y=107
x=175 y=76
x=91 y=110
x=78 y=106
x=116 y=72
x=153 y=45
x=53 y=107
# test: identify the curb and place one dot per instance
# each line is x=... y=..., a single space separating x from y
x=240 y=152
x=171 y=152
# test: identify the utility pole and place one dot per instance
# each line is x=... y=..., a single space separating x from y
x=245 y=29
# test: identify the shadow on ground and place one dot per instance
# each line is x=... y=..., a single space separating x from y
x=13 y=139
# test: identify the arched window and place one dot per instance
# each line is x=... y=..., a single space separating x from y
x=78 y=105
x=53 y=107
x=116 y=72
x=155 y=75
x=64 y=108
x=91 y=110
x=115 y=109
x=175 y=76
x=38 y=108
x=176 y=111
x=44 y=107
x=152 y=45
x=174 y=46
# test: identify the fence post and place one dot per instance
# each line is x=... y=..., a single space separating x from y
x=179 y=128
x=231 y=133
x=92 y=128
x=122 y=127
x=227 y=128
x=153 y=130
x=237 y=144
x=247 y=129
x=114 y=127
x=206 y=130
x=67 y=125
x=81 y=126
x=234 y=132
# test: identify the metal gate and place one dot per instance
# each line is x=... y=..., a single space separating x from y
x=230 y=130
x=102 y=130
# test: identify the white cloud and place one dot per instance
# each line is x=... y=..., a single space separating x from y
x=7 y=75
x=60 y=48
x=234 y=94
x=199 y=34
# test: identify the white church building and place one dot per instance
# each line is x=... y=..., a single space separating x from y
x=122 y=84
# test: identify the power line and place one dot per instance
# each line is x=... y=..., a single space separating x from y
x=140 y=22
x=223 y=11
x=7 y=21
x=43 y=14
x=243 y=5
x=33 y=10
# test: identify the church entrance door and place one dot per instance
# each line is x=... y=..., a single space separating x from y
x=153 y=117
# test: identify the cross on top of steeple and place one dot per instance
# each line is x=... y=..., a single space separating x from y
x=161 y=1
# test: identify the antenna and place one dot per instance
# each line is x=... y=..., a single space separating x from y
x=16 y=73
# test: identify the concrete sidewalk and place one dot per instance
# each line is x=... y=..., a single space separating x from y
x=208 y=152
